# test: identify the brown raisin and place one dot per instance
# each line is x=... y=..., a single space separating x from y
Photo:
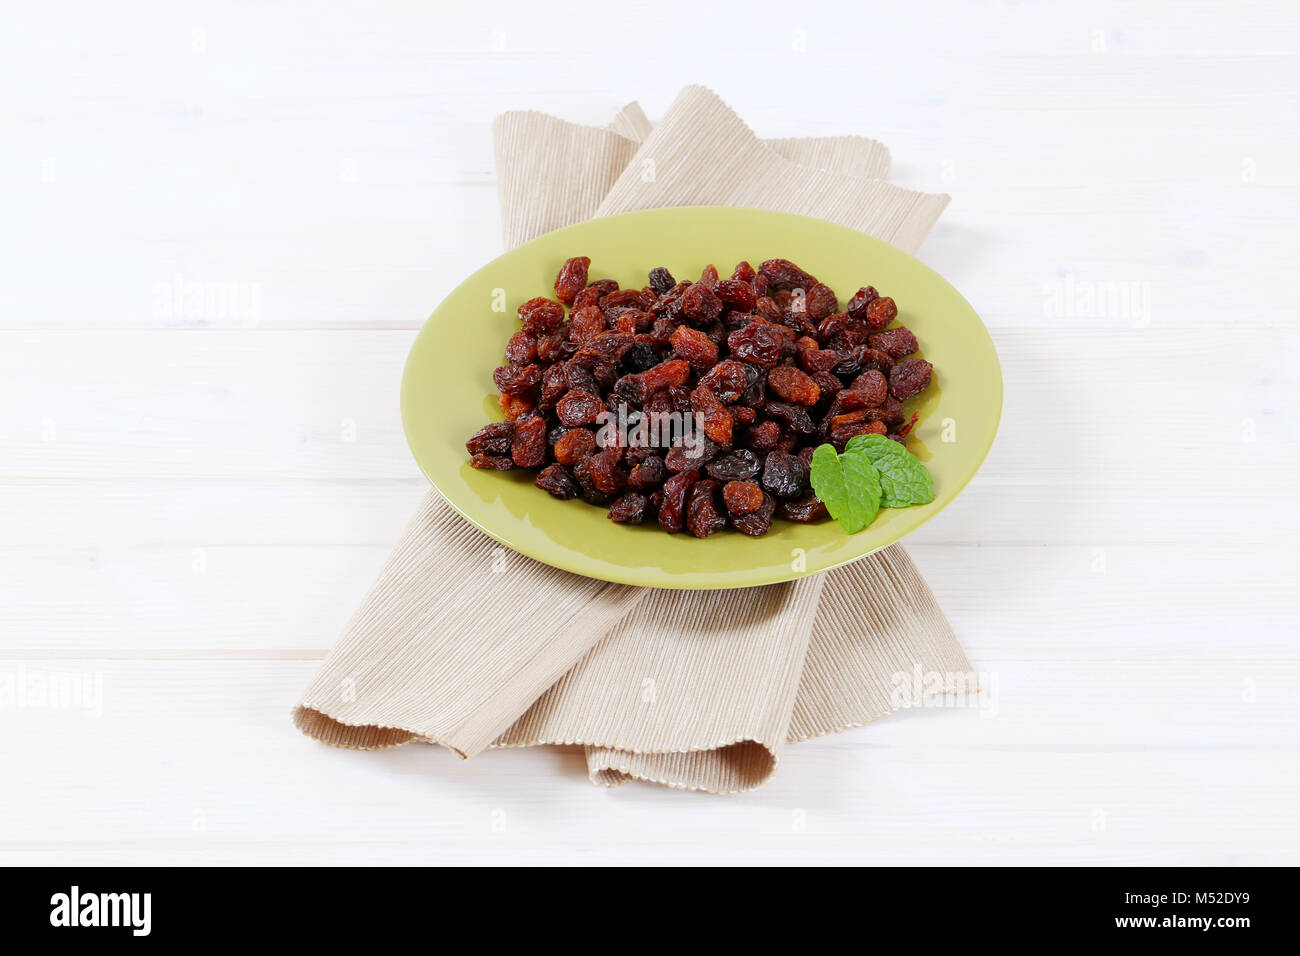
x=857 y=306
x=676 y=490
x=759 y=342
x=695 y=347
x=792 y=385
x=727 y=380
x=879 y=313
x=715 y=419
x=513 y=379
x=492 y=462
x=515 y=405
x=742 y=497
x=758 y=522
x=574 y=445
x=897 y=342
x=703 y=516
x=541 y=316
x=579 y=408
x=585 y=324
x=762 y=436
x=665 y=375
x=700 y=304
x=629 y=509
x=873 y=387
x=556 y=479
x=528 y=449
x=688 y=456
x=909 y=377
x=572 y=279
x=737 y=294
x=820 y=302
x=648 y=475
x=784 y=274
x=493 y=439
x=522 y=348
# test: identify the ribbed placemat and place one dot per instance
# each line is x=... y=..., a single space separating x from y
x=650 y=691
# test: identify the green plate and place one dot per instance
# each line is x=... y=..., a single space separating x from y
x=447 y=393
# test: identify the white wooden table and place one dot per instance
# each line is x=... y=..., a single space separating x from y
x=223 y=225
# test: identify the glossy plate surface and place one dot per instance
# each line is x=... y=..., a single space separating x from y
x=447 y=393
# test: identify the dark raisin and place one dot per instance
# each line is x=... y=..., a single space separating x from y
x=492 y=462
x=857 y=306
x=556 y=479
x=784 y=274
x=587 y=487
x=896 y=343
x=756 y=523
x=630 y=509
x=648 y=475
x=762 y=436
x=784 y=475
x=639 y=357
x=795 y=417
x=803 y=509
x=692 y=455
x=676 y=491
x=820 y=302
x=703 y=516
x=493 y=439
x=909 y=377
x=661 y=280
x=739 y=465
x=700 y=304
x=513 y=379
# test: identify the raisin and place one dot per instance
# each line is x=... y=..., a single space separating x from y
x=579 y=408
x=759 y=342
x=515 y=405
x=820 y=302
x=695 y=347
x=541 y=316
x=795 y=417
x=742 y=497
x=572 y=279
x=557 y=346
x=700 y=304
x=727 y=380
x=558 y=481
x=852 y=424
x=587 y=489
x=574 y=445
x=703 y=516
x=578 y=378
x=492 y=462
x=630 y=509
x=648 y=475
x=909 y=377
x=857 y=306
x=738 y=465
x=661 y=280
x=513 y=379
x=623 y=298
x=639 y=357
x=493 y=439
x=743 y=272
x=763 y=436
x=743 y=414
x=676 y=490
x=784 y=274
x=737 y=294
x=897 y=343
x=873 y=387
x=586 y=323
x=666 y=374
x=784 y=475
x=688 y=456
x=528 y=449
x=522 y=348
x=879 y=313
x=804 y=510
x=757 y=523
x=792 y=385
x=715 y=419
x=860 y=358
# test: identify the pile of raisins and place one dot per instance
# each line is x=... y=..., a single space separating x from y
x=764 y=361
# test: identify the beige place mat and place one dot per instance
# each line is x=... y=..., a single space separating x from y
x=648 y=691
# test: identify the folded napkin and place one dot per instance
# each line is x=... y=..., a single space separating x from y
x=463 y=643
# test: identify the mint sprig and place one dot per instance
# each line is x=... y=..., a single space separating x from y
x=903 y=479
x=873 y=472
x=847 y=485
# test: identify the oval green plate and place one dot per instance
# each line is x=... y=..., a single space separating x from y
x=447 y=393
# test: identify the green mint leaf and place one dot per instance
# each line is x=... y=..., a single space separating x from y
x=903 y=479
x=848 y=486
